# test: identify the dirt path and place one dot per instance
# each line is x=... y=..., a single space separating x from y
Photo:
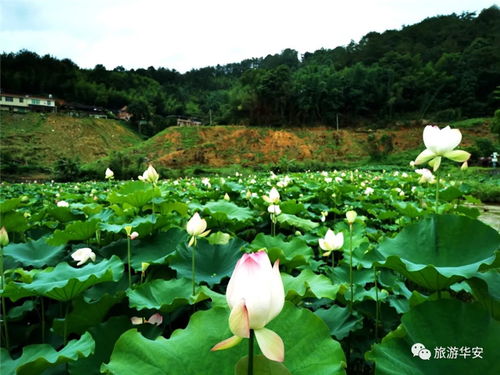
x=490 y=214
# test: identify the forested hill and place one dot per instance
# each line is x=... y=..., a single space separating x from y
x=443 y=68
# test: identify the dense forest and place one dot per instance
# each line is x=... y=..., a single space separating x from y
x=443 y=68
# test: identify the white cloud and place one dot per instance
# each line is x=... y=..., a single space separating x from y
x=185 y=34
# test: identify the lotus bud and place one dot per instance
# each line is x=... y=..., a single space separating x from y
x=83 y=255
x=464 y=166
x=134 y=235
x=226 y=197
x=351 y=216
x=4 y=237
x=109 y=174
x=255 y=295
x=196 y=227
x=150 y=175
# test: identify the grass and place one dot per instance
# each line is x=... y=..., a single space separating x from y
x=470 y=123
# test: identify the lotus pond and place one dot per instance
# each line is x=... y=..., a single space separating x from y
x=410 y=287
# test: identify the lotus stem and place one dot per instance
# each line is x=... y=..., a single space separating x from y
x=437 y=193
x=193 y=264
x=65 y=332
x=129 y=261
x=250 y=353
x=350 y=269
x=377 y=306
x=4 y=309
x=42 y=307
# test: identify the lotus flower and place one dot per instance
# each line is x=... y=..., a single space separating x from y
x=273 y=197
x=83 y=255
x=134 y=235
x=439 y=143
x=274 y=209
x=150 y=175
x=109 y=174
x=196 y=227
x=426 y=176
x=331 y=242
x=156 y=319
x=62 y=204
x=369 y=191
x=256 y=296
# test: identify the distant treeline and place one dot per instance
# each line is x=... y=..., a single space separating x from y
x=444 y=68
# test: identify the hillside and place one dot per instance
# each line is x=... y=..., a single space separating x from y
x=33 y=142
x=219 y=146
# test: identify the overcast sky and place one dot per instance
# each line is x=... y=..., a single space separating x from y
x=186 y=34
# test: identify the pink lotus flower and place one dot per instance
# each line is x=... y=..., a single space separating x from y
x=256 y=296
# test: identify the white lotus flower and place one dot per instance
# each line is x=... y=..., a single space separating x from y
x=274 y=196
x=150 y=175
x=331 y=242
x=255 y=295
x=426 y=176
x=274 y=209
x=83 y=255
x=439 y=143
x=368 y=191
x=62 y=204
x=109 y=174
x=196 y=227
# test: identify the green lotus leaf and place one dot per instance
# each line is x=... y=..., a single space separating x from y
x=309 y=284
x=134 y=193
x=142 y=225
x=441 y=324
x=440 y=250
x=292 y=253
x=340 y=321
x=14 y=221
x=37 y=358
x=164 y=295
x=9 y=205
x=219 y=238
x=84 y=315
x=297 y=222
x=309 y=349
x=34 y=253
x=228 y=211
x=74 y=231
x=157 y=248
x=213 y=262
x=105 y=336
x=486 y=288
x=261 y=366
x=63 y=214
x=18 y=312
x=64 y=282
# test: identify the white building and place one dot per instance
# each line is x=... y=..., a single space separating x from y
x=26 y=103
